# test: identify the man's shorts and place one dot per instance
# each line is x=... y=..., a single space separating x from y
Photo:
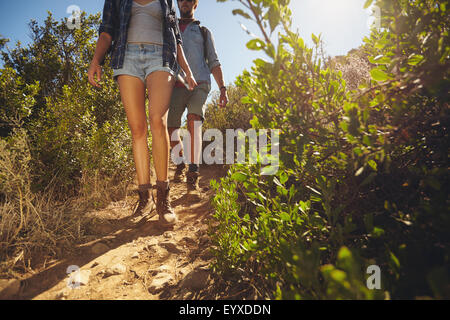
x=194 y=101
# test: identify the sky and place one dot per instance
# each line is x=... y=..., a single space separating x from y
x=342 y=23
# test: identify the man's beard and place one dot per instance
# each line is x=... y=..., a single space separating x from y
x=187 y=14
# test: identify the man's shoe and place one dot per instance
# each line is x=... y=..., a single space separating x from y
x=178 y=176
x=167 y=216
x=192 y=180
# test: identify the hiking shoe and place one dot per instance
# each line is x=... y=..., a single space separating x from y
x=167 y=216
x=178 y=176
x=143 y=205
x=192 y=181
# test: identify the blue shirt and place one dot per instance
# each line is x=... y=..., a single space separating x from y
x=116 y=18
x=194 y=48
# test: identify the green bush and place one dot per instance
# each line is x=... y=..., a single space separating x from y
x=235 y=115
x=363 y=176
x=75 y=131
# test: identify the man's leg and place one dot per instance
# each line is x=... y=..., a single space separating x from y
x=175 y=139
x=196 y=111
x=176 y=144
x=176 y=110
x=194 y=123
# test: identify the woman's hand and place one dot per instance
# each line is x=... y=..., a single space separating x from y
x=94 y=73
x=191 y=82
x=181 y=58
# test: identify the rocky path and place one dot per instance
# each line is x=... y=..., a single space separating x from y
x=137 y=259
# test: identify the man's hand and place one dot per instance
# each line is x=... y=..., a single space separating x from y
x=223 y=100
x=94 y=73
x=191 y=82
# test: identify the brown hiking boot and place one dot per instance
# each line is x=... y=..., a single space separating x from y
x=178 y=176
x=143 y=205
x=167 y=216
x=192 y=181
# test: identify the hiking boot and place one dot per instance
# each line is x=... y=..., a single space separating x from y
x=167 y=216
x=178 y=176
x=192 y=180
x=143 y=205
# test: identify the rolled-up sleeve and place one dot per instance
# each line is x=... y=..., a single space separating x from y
x=175 y=26
x=212 y=58
x=109 y=19
x=178 y=34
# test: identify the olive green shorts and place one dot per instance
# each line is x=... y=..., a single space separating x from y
x=194 y=101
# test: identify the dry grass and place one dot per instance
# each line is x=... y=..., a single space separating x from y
x=34 y=226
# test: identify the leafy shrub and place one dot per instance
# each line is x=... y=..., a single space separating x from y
x=363 y=174
x=235 y=115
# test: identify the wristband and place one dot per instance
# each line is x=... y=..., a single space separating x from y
x=223 y=88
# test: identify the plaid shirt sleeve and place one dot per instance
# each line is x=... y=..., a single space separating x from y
x=110 y=18
x=176 y=27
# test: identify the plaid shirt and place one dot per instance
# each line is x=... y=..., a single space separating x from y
x=116 y=17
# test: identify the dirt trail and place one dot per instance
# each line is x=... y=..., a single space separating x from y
x=138 y=260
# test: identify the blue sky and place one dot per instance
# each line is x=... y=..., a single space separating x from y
x=343 y=24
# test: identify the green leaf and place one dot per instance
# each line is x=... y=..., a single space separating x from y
x=377 y=232
x=315 y=39
x=394 y=259
x=378 y=75
x=239 y=177
x=372 y=164
x=285 y=217
x=241 y=12
x=274 y=17
x=344 y=254
x=415 y=59
x=283 y=178
x=380 y=60
x=256 y=44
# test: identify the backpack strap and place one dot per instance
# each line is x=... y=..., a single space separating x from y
x=204 y=32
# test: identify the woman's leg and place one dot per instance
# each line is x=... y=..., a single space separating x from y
x=160 y=86
x=132 y=92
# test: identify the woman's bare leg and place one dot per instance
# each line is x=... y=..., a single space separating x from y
x=160 y=86
x=132 y=92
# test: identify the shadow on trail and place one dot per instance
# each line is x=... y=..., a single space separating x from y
x=123 y=233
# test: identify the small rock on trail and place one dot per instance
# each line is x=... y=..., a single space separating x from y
x=160 y=282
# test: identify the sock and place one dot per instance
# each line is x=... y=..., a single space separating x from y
x=163 y=184
x=193 y=168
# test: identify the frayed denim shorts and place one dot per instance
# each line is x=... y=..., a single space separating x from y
x=141 y=60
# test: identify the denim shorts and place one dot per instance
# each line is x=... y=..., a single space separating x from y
x=141 y=60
